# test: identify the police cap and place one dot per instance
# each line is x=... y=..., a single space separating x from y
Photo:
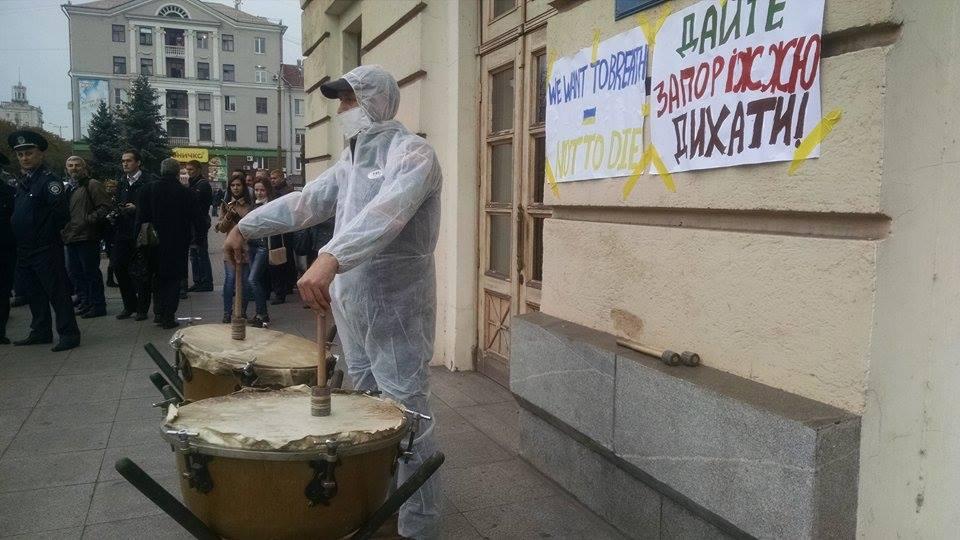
x=20 y=140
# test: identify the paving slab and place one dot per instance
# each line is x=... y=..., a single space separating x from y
x=42 y=510
x=69 y=389
x=72 y=415
x=20 y=393
x=553 y=517
x=49 y=470
x=157 y=527
x=58 y=439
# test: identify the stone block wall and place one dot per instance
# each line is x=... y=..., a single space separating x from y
x=671 y=450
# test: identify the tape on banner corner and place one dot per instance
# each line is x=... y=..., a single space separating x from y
x=551 y=179
x=661 y=167
x=645 y=109
x=596 y=45
x=651 y=32
x=636 y=173
x=723 y=3
x=814 y=138
x=551 y=58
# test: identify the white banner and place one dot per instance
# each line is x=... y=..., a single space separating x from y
x=595 y=109
x=736 y=82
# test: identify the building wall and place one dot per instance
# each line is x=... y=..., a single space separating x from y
x=432 y=55
x=837 y=284
x=21 y=115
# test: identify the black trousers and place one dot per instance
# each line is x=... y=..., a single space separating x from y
x=8 y=266
x=135 y=287
x=168 y=299
x=43 y=276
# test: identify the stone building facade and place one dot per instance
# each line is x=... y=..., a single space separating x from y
x=822 y=303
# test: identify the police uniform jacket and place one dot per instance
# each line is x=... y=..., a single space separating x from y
x=40 y=211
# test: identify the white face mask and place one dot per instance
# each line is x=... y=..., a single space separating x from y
x=353 y=121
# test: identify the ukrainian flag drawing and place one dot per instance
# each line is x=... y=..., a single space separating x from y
x=589 y=116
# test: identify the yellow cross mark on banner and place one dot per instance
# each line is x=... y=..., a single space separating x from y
x=811 y=141
x=596 y=46
x=551 y=180
x=651 y=31
x=650 y=155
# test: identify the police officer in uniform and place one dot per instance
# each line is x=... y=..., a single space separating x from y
x=40 y=212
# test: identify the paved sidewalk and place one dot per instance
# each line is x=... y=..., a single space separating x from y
x=65 y=418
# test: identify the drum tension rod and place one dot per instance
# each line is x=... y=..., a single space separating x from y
x=417 y=417
x=197 y=475
x=323 y=487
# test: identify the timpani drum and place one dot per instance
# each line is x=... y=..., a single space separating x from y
x=212 y=364
x=256 y=464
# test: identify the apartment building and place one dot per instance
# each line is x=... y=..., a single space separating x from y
x=224 y=92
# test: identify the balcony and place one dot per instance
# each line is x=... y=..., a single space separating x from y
x=174 y=112
x=178 y=141
x=175 y=51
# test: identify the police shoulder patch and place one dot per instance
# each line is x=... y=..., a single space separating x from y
x=55 y=188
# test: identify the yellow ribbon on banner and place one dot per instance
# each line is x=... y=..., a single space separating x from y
x=651 y=31
x=551 y=179
x=596 y=46
x=811 y=141
x=650 y=155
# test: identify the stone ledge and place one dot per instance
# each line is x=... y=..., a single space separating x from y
x=566 y=369
x=770 y=463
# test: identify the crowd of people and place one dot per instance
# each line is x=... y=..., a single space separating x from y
x=154 y=229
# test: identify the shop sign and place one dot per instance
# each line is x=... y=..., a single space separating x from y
x=191 y=154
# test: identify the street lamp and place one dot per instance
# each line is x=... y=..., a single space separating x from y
x=280 y=82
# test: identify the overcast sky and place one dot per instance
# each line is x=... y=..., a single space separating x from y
x=34 y=40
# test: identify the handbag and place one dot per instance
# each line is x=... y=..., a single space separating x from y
x=277 y=256
x=147 y=237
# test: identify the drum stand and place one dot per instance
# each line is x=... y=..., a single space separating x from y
x=193 y=525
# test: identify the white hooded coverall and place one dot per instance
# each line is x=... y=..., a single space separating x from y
x=386 y=195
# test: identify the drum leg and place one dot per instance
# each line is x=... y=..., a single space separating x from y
x=158 y=381
x=165 y=367
x=395 y=500
x=164 y=500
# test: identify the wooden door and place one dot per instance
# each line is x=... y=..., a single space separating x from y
x=511 y=194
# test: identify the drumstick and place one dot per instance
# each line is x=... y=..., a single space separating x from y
x=320 y=395
x=238 y=324
x=321 y=349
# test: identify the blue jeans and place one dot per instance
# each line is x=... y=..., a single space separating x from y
x=83 y=263
x=258 y=277
x=200 y=262
x=229 y=284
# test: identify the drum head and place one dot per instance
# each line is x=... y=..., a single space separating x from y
x=279 y=421
x=278 y=358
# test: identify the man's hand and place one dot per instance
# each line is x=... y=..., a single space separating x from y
x=315 y=283
x=235 y=246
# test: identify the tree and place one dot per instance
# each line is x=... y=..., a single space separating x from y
x=142 y=124
x=58 y=150
x=105 y=136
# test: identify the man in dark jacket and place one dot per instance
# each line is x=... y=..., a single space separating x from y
x=199 y=251
x=170 y=207
x=40 y=212
x=89 y=205
x=8 y=251
x=132 y=273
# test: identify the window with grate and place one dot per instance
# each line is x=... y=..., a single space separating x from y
x=262 y=134
x=119 y=35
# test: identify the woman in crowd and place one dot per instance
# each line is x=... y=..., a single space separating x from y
x=236 y=203
x=259 y=278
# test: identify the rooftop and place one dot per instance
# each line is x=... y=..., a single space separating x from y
x=227 y=11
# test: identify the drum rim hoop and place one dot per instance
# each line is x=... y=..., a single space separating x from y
x=344 y=449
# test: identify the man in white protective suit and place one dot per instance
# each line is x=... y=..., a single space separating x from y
x=377 y=273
